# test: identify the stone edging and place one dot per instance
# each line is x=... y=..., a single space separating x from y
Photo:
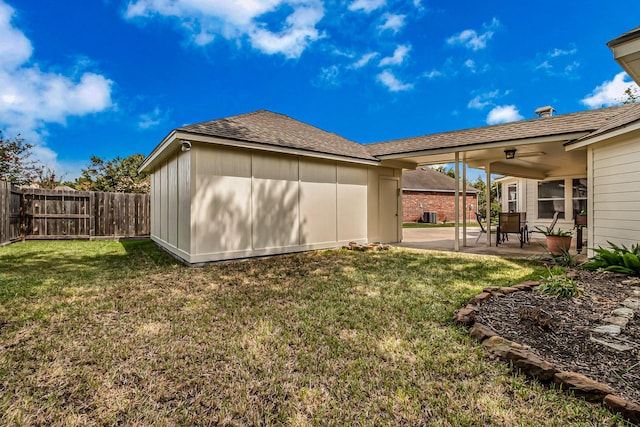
x=534 y=366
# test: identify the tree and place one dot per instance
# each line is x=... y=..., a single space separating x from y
x=117 y=175
x=631 y=94
x=481 y=186
x=16 y=163
x=443 y=170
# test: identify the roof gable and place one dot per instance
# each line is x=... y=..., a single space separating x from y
x=266 y=127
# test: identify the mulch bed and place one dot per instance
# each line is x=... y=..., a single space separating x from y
x=559 y=329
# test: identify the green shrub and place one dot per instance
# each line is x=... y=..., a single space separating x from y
x=619 y=259
x=559 y=286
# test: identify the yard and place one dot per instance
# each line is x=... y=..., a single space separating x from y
x=110 y=333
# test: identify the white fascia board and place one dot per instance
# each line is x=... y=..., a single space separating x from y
x=160 y=148
x=603 y=137
x=473 y=147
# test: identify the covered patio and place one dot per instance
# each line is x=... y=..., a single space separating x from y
x=541 y=149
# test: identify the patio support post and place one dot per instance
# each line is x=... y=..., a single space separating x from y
x=487 y=197
x=464 y=204
x=456 y=246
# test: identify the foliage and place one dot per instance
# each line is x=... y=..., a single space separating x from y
x=618 y=259
x=560 y=286
x=631 y=95
x=564 y=259
x=46 y=178
x=547 y=231
x=444 y=170
x=481 y=186
x=16 y=163
x=117 y=175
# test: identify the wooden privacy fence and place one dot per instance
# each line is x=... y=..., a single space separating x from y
x=31 y=213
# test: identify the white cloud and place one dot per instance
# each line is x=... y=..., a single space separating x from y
x=610 y=92
x=557 y=62
x=151 y=119
x=364 y=60
x=470 y=64
x=329 y=75
x=471 y=39
x=503 y=114
x=392 y=22
x=235 y=19
x=31 y=98
x=432 y=74
x=392 y=83
x=367 y=6
x=562 y=52
x=398 y=57
x=483 y=100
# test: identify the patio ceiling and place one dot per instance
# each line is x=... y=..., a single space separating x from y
x=535 y=158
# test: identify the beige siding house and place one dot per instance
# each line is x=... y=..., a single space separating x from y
x=263 y=183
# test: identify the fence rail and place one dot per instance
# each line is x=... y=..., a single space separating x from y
x=31 y=213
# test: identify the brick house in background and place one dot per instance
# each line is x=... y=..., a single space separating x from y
x=426 y=190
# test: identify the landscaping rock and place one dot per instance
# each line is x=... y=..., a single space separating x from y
x=591 y=391
x=632 y=303
x=613 y=345
x=627 y=409
x=481 y=332
x=491 y=289
x=623 y=312
x=466 y=315
x=608 y=329
x=530 y=364
x=527 y=286
x=620 y=321
x=498 y=346
x=509 y=290
x=481 y=297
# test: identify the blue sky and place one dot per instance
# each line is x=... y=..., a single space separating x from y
x=113 y=77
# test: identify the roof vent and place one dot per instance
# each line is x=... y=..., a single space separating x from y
x=546 y=111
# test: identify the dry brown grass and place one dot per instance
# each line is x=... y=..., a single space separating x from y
x=102 y=333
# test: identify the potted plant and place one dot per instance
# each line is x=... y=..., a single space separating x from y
x=558 y=241
x=581 y=219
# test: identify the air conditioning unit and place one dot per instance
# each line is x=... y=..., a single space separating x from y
x=430 y=217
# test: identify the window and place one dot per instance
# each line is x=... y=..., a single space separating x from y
x=551 y=199
x=512 y=198
x=579 y=195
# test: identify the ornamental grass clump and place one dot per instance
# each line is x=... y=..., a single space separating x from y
x=559 y=286
x=618 y=259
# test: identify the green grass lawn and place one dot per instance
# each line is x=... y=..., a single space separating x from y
x=108 y=333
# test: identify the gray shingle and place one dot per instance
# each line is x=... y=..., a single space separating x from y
x=429 y=179
x=584 y=121
x=265 y=127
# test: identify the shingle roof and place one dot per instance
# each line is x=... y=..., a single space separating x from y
x=265 y=127
x=429 y=179
x=584 y=121
x=626 y=117
x=629 y=35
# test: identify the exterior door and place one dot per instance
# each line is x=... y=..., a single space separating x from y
x=389 y=190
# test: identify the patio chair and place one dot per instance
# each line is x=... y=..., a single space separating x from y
x=512 y=222
x=483 y=229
